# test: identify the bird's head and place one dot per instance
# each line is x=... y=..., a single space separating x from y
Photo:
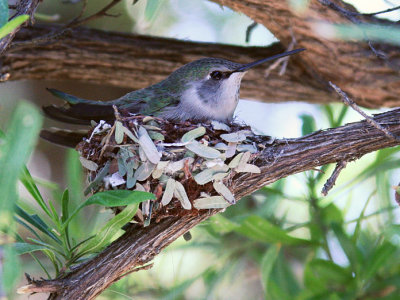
x=210 y=86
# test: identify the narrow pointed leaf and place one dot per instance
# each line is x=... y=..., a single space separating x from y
x=180 y=193
x=210 y=202
x=22 y=248
x=267 y=264
x=169 y=192
x=36 y=221
x=261 y=230
x=109 y=230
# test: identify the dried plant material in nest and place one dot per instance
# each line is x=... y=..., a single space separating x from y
x=187 y=166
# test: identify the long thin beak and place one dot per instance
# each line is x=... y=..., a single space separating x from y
x=245 y=67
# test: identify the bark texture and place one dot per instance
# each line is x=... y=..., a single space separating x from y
x=24 y=7
x=371 y=81
x=138 y=61
x=139 y=245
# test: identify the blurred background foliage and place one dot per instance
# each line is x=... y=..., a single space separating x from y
x=285 y=241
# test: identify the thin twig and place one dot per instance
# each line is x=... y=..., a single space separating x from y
x=352 y=16
x=382 y=11
x=332 y=180
x=102 y=12
x=249 y=30
x=116 y=113
x=282 y=61
x=54 y=36
x=142 y=268
x=83 y=9
x=369 y=119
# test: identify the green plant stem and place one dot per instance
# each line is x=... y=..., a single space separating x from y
x=317 y=213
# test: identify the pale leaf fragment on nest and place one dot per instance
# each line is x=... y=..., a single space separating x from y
x=169 y=192
x=180 y=194
x=210 y=202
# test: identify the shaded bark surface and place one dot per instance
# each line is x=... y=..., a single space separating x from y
x=371 y=81
x=137 y=61
x=282 y=158
x=24 y=7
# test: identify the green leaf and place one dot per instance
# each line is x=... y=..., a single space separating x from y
x=36 y=221
x=331 y=214
x=50 y=254
x=151 y=9
x=4 y=12
x=113 y=198
x=282 y=284
x=378 y=258
x=267 y=264
x=261 y=230
x=329 y=272
x=222 y=224
x=27 y=227
x=341 y=116
x=109 y=230
x=30 y=185
x=119 y=198
x=75 y=177
x=22 y=248
x=349 y=247
x=308 y=124
x=15 y=150
x=322 y=277
x=10 y=26
x=11 y=269
x=47 y=246
x=64 y=206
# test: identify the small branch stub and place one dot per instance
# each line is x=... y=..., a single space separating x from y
x=332 y=180
x=346 y=100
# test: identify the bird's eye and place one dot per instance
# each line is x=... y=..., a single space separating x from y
x=216 y=75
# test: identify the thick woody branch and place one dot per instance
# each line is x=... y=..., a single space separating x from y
x=370 y=80
x=133 y=61
x=139 y=245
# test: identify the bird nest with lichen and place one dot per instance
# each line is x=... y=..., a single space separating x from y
x=187 y=166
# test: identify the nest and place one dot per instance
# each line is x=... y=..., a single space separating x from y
x=187 y=166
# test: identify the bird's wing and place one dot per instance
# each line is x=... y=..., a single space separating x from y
x=152 y=100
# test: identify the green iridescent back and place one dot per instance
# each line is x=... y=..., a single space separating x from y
x=153 y=99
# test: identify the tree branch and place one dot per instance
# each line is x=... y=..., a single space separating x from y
x=369 y=80
x=24 y=7
x=135 y=62
x=140 y=245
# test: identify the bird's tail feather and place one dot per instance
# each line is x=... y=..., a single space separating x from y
x=79 y=111
x=66 y=138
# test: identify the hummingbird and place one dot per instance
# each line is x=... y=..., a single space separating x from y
x=202 y=90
